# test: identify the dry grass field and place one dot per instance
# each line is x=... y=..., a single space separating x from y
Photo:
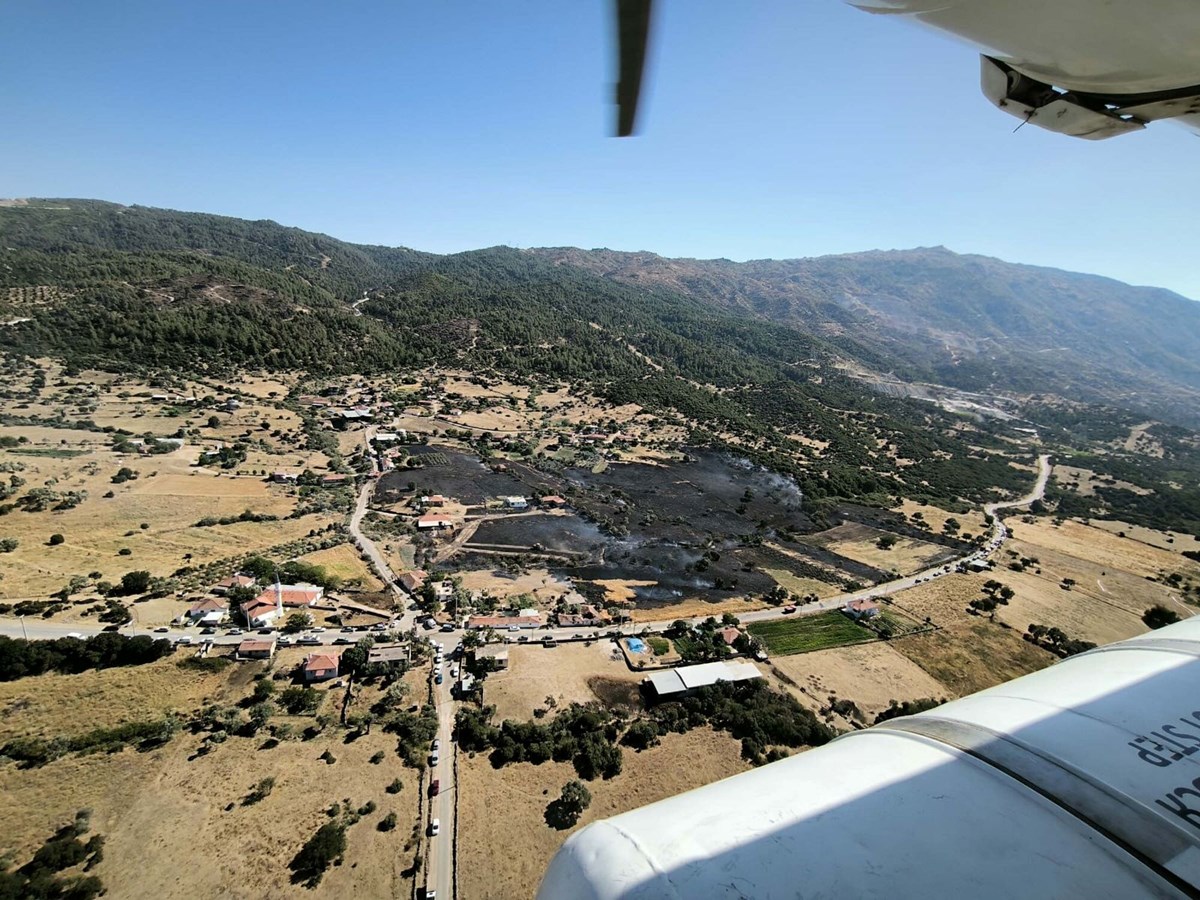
x=504 y=842
x=1163 y=540
x=1102 y=547
x=687 y=609
x=971 y=522
x=344 y=561
x=871 y=675
x=802 y=586
x=567 y=672
x=1104 y=604
x=152 y=516
x=52 y=704
x=967 y=653
x=174 y=822
x=860 y=543
x=970 y=655
x=544 y=587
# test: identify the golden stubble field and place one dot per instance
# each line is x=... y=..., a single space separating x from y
x=504 y=841
x=567 y=673
x=871 y=675
x=174 y=822
x=860 y=543
x=169 y=496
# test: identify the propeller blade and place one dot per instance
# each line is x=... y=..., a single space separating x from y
x=633 y=32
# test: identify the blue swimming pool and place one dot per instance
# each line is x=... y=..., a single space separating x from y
x=636 y=645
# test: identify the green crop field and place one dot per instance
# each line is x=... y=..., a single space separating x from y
x=806 y=633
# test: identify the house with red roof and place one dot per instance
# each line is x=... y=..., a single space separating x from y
x=320 y=666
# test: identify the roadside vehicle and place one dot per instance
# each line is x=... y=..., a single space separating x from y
x=448 y=626
x=163 y=630
x=235 y=631
x=434 y=827
x=435 y=787
x=209 y=630
x=789 y=609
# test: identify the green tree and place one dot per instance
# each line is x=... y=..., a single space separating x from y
x=1157 y=616
x=297 y=621
x=318 y=853
x=55 y=540
x=564 y=812
x=137 y=582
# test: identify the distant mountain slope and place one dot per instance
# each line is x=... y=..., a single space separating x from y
x=969 y=321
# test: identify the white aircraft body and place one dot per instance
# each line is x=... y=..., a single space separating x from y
x=1081 y=780
x=1086 y=68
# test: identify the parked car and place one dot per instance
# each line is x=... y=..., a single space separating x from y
x=235 y=631
x=433 y=758
x=380 y=626
x=266 y=631
x=343 y=640
x=209 y=630
x=430 y=894
x=162 y=630
x=437 y=745
x=317 y=630
x=310 y=641
x=434 y=827
x=435 y=787
x=347 y=630
x=789 y=609
x=449 y=626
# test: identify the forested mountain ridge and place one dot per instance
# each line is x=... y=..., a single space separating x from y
x=78 y=283
x=971 y=322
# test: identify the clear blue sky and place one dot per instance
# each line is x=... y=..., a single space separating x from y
x=769 y=129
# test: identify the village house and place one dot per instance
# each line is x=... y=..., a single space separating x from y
x=295 y=595
x=516 y=502
x=388 y=653
x=435 y=500
x=553 y=502
x=256 y=648
x=434 y=522
x=496 y=652
x=260 y=613
x=320 y=667
x=413 y=581
x=225 y=585
x=503 y=622
x=209 y=611
x=861 y=609
x=334 y=478
x=587 y=617
x=729 y=635
x=281 y=477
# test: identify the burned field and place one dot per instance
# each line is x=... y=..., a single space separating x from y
x=707 y=526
